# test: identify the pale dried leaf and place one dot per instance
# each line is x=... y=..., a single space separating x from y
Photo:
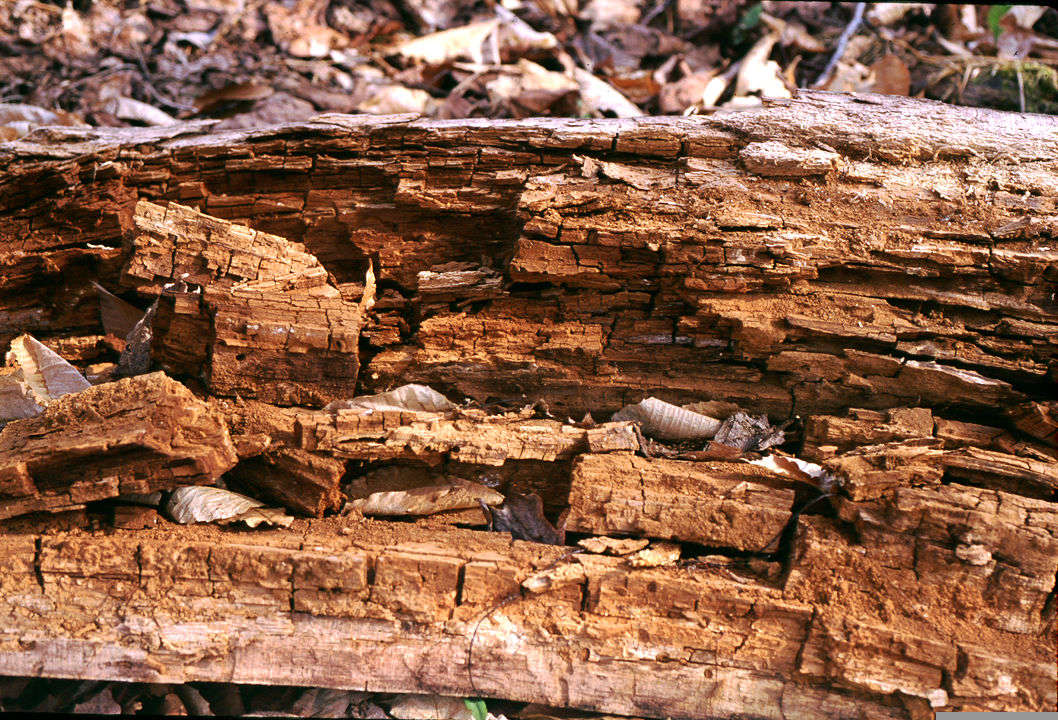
x=758 y=75
x=197 y=503
x=414 y=397
x=600 y=98
x=666 y=421
x=517 y=37
x=127 y=108
x=447 y=45
x=457 y=495
x=613 y=546
x=253 y=517
x=1025 y=16
x=118 y=316
x=889 y=13
x=396 y=99
x=17 y=400
x=48 y=375
x=658 y=554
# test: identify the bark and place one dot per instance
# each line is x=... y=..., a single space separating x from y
x=881 y=270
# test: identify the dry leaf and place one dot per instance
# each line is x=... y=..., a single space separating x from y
x=613 y=546
x=118 y=316
x=396 y=99
x=601 y=99
x=16 y=398
x=749 y=433
x=260 y=516
x=17 y=119
x=414 y=397
x=197 y=503
x=46 y=373
x=891 y=76
x=666 y=421
x=443 y=47
x=126 y=108
x=523 y=517
x=238 y=92
x=760 y=76
x=457 y=495
x=657 y=555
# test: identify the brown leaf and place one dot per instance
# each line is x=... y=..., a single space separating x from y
x=891 y=76
x=118 y=316
x=523 y=517
x=235 y=92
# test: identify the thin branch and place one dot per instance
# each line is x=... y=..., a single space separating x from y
x=843 y=41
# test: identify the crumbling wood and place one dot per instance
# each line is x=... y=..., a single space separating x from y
x=913 y=270
x=471 y=436
x=137 y=435
x=720 y=504
x=422 y=610
x=252 y=313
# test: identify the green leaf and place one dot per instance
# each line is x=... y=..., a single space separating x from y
x=751 y=18
x=995 y=14
x=477 y=708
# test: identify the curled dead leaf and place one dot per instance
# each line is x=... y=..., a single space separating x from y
x=418 y=398
x=44 y=371
x=666 y=421
x=457 y=495
x=197 y=503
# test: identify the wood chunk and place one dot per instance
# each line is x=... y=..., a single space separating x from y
x=1000 y=471
x=472 y=436
x=304 y=482
x=1040 y=420
x=875 y=470
x=723 y=504
x=863 y=427
x=988 y=556
x=132 y=517
x=136 y=435
x=255 y=313
x=959 y=434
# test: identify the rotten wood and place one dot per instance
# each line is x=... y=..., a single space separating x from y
x=881 y=268
x=137 y=435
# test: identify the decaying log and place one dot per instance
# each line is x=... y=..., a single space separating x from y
x=137 y=435
x=881 y=269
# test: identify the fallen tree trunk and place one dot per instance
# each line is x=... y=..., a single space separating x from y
x=881 y=269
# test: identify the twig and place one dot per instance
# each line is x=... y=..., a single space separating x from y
x=850 y=30
x=1021 y=86
x=658 y=8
